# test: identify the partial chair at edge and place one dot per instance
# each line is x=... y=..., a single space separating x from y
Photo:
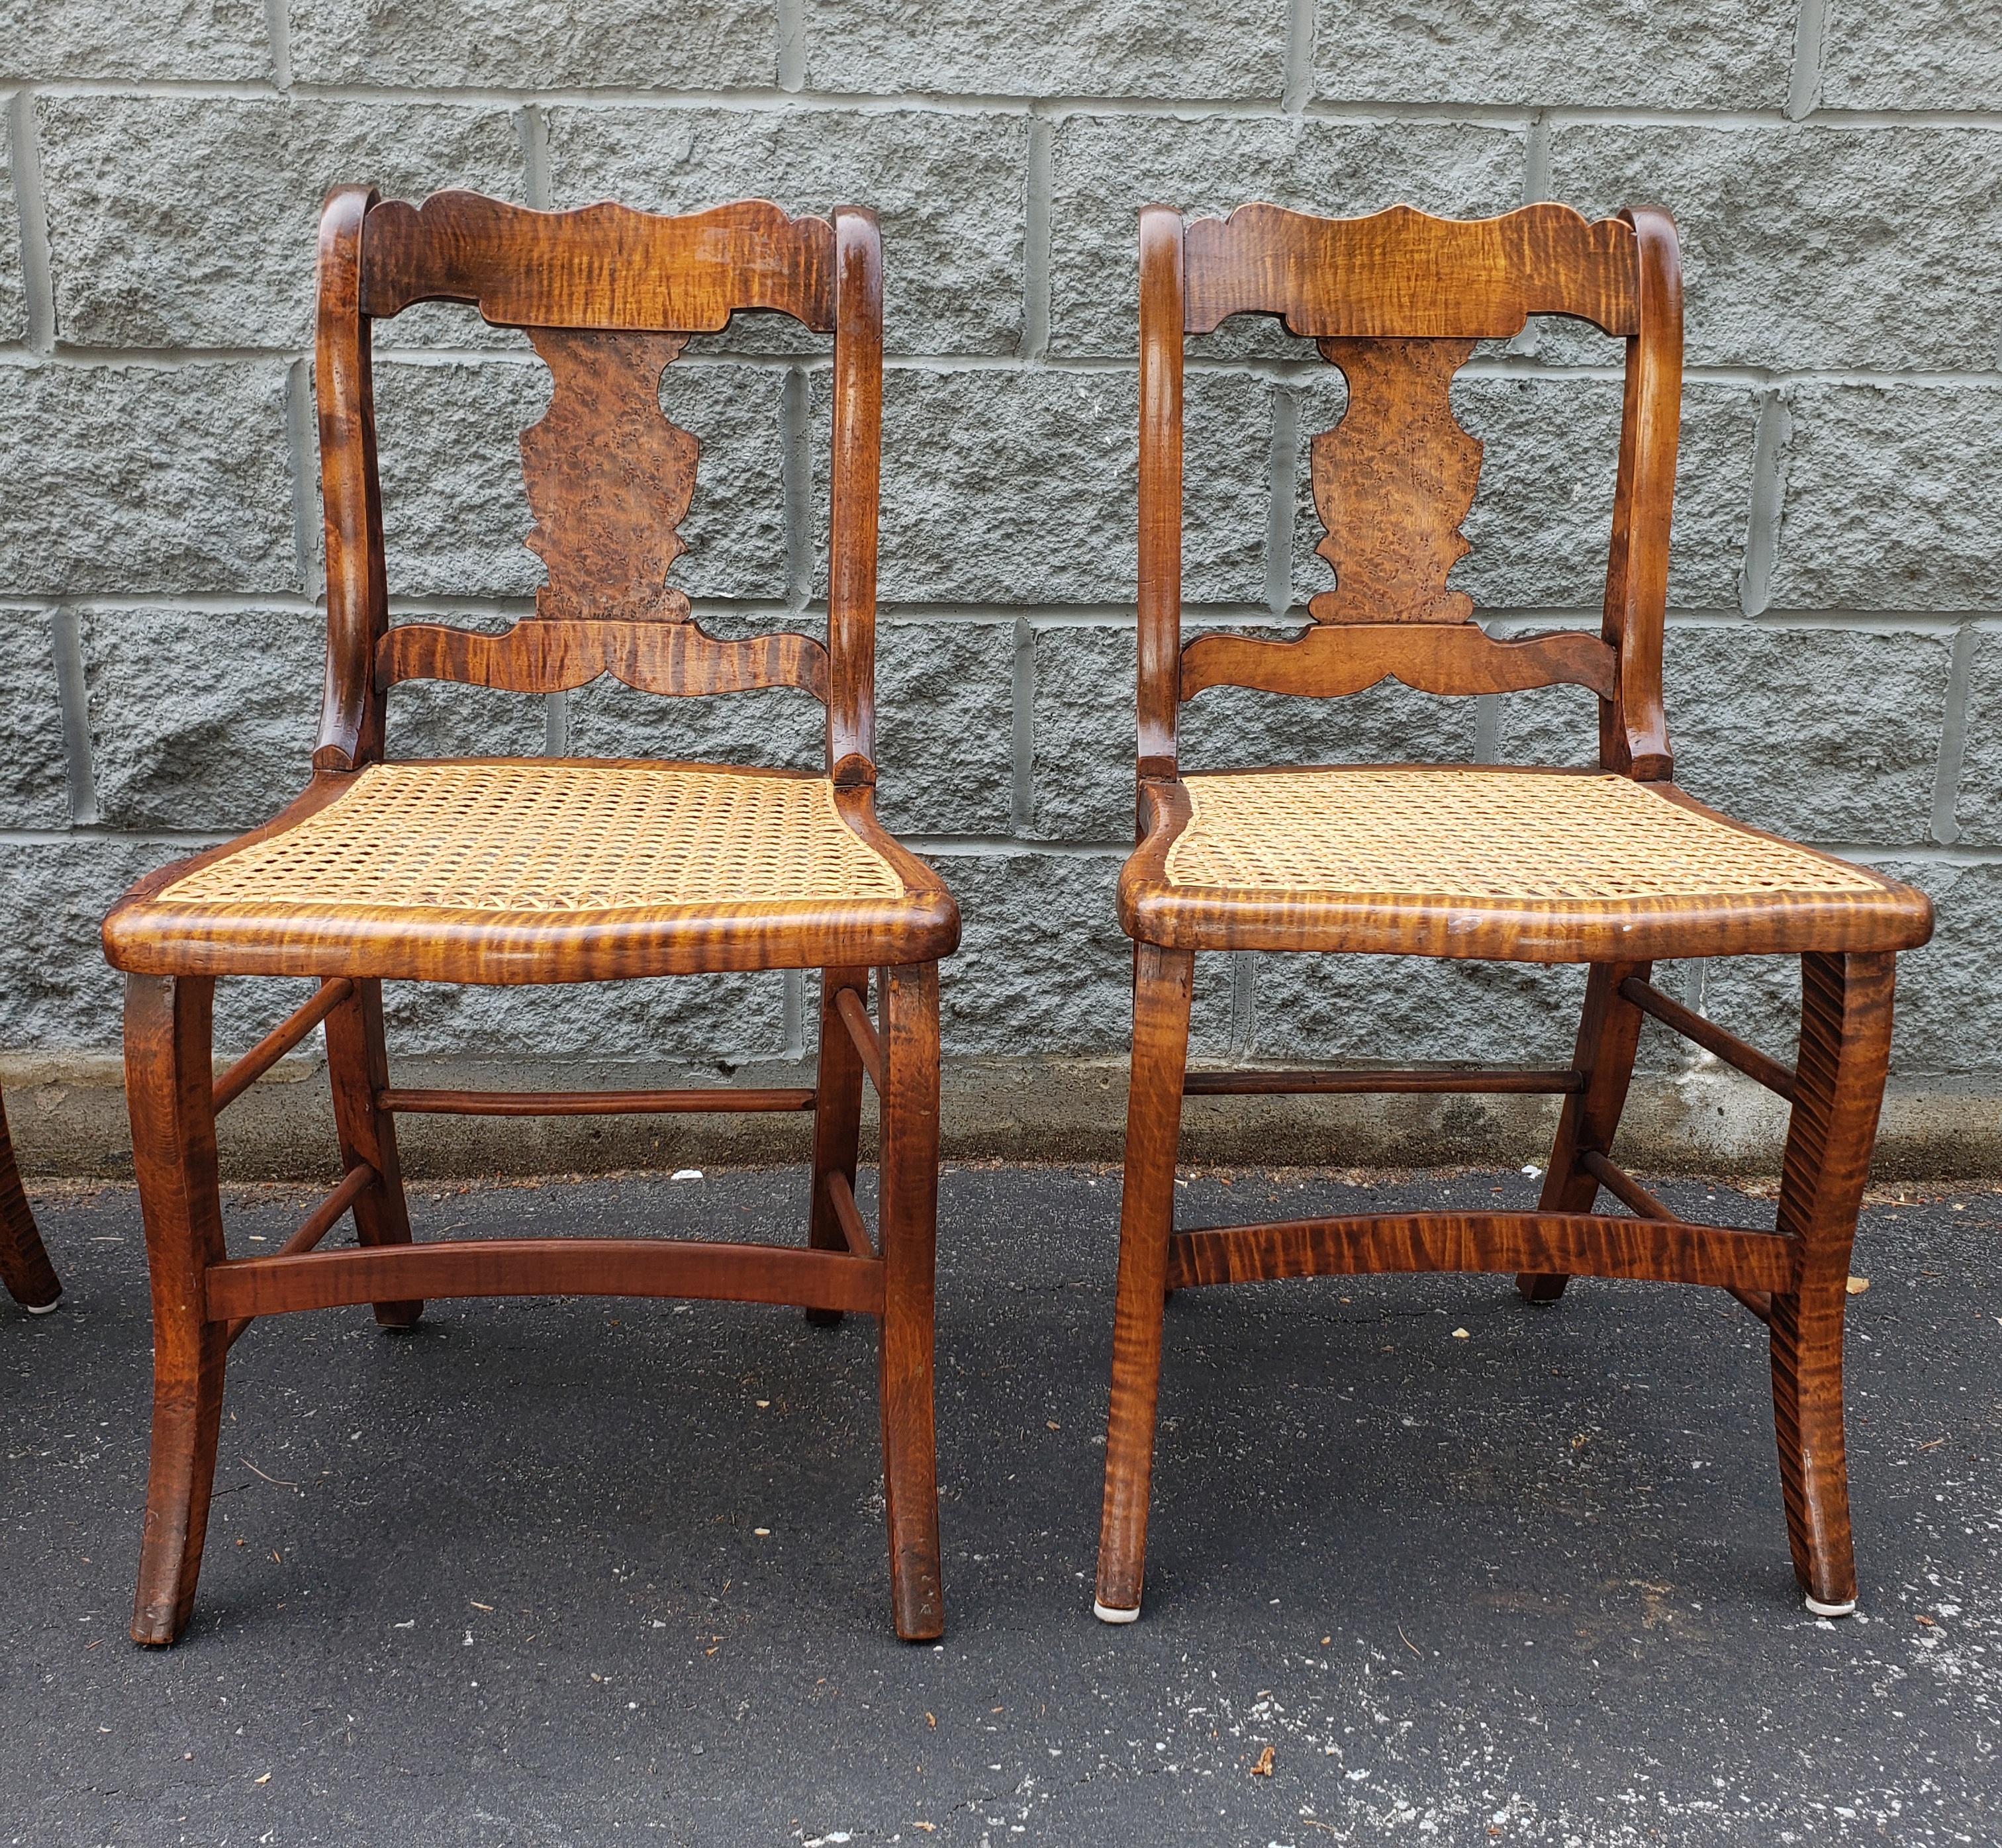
x=25 y=1270
x=528 y=870
x=1615 y=869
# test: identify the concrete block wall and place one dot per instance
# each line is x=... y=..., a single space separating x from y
x=1835 y=654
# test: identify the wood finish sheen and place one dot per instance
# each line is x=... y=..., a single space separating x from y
x=1403 y=274
x=607 y=298
x=26 y=1273
x=1396 y=300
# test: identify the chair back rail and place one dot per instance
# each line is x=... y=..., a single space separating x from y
x=608 y=297
x=1397 y=301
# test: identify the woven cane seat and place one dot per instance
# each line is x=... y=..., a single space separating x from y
x=538 y=858
x=1545 y=865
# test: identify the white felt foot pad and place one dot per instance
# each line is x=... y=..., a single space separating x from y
x=1830 y=1610
x=1106 y=1614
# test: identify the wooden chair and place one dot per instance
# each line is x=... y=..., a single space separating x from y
x=1614 y=868
x=512 y=870
x=25 y=1270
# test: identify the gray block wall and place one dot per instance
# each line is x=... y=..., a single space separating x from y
x=1835 y=653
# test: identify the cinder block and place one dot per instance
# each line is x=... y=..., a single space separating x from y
x=1542 y=519
x=456 y=513
x=779 y=727
x=1688 y=54
x=535 y=44
x=1823 y=735
x=1019 y=487
x=191 y=221
x=948 y=188
x=57 y=992
x=207 y=41
x=1150 y=48
x=1893 y=498
x=1084 y=735
x=34 y=787
x=1105 y=167
x=1383 y=1010
x=1948 y=1011
x=719 y=1020
x=126 y=479
x=1043 y=969
x=1978 y=808
x=1811 y=245
x=13 y=289
x=201 y=721
x=1919 y=54
x=436 y=718
x=945 y=726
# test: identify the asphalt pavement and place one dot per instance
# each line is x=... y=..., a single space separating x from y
x=1427 y=1564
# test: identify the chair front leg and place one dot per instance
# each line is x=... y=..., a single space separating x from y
x=168 y=1088
x=1162 y=980
x=1845 y=1049
x=25 y=1270
x=357 y=1065
x=1608 y=1034
x=837 y=1117
x=907 y=1218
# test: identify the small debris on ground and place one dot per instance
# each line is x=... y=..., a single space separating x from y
x=1263 y=1767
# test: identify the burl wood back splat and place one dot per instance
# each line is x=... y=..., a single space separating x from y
x=609 y=297
x=609 y=478
x=1392 y=482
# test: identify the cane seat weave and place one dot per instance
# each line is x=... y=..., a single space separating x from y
x=544 y=862
x=1598 y=849
x=531 y=837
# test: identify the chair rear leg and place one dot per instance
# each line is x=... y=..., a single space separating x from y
x=907 y=1218
x=25 y=1270
x=357 y=1064
x=1609 y=1033
x=837 y=1117
x=1844 y=1050
x=1162 y=980
x=168 y=1085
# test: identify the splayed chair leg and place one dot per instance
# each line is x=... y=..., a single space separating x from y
x=167 y=1083
x=907 y=1196
x=837 y=1118
x=1846 y=1002
x=1608 y=1034
x=1162 y=980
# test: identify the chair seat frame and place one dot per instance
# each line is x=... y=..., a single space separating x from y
x=1428 y=289
x=607 y=295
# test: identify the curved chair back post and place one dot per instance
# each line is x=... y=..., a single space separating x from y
x=854 y=495
x=357 y=597
x=1162 y=316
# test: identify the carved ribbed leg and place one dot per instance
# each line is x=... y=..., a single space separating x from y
x=837 y=1117
x=1609 y=1033
x=167 y=1080
x=1845 y=1048
x=25 y=1270
x=357 y=1064
x=908 y=1217
x=1162 y=980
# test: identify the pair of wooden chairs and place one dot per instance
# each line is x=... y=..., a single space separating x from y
x=516 y=871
